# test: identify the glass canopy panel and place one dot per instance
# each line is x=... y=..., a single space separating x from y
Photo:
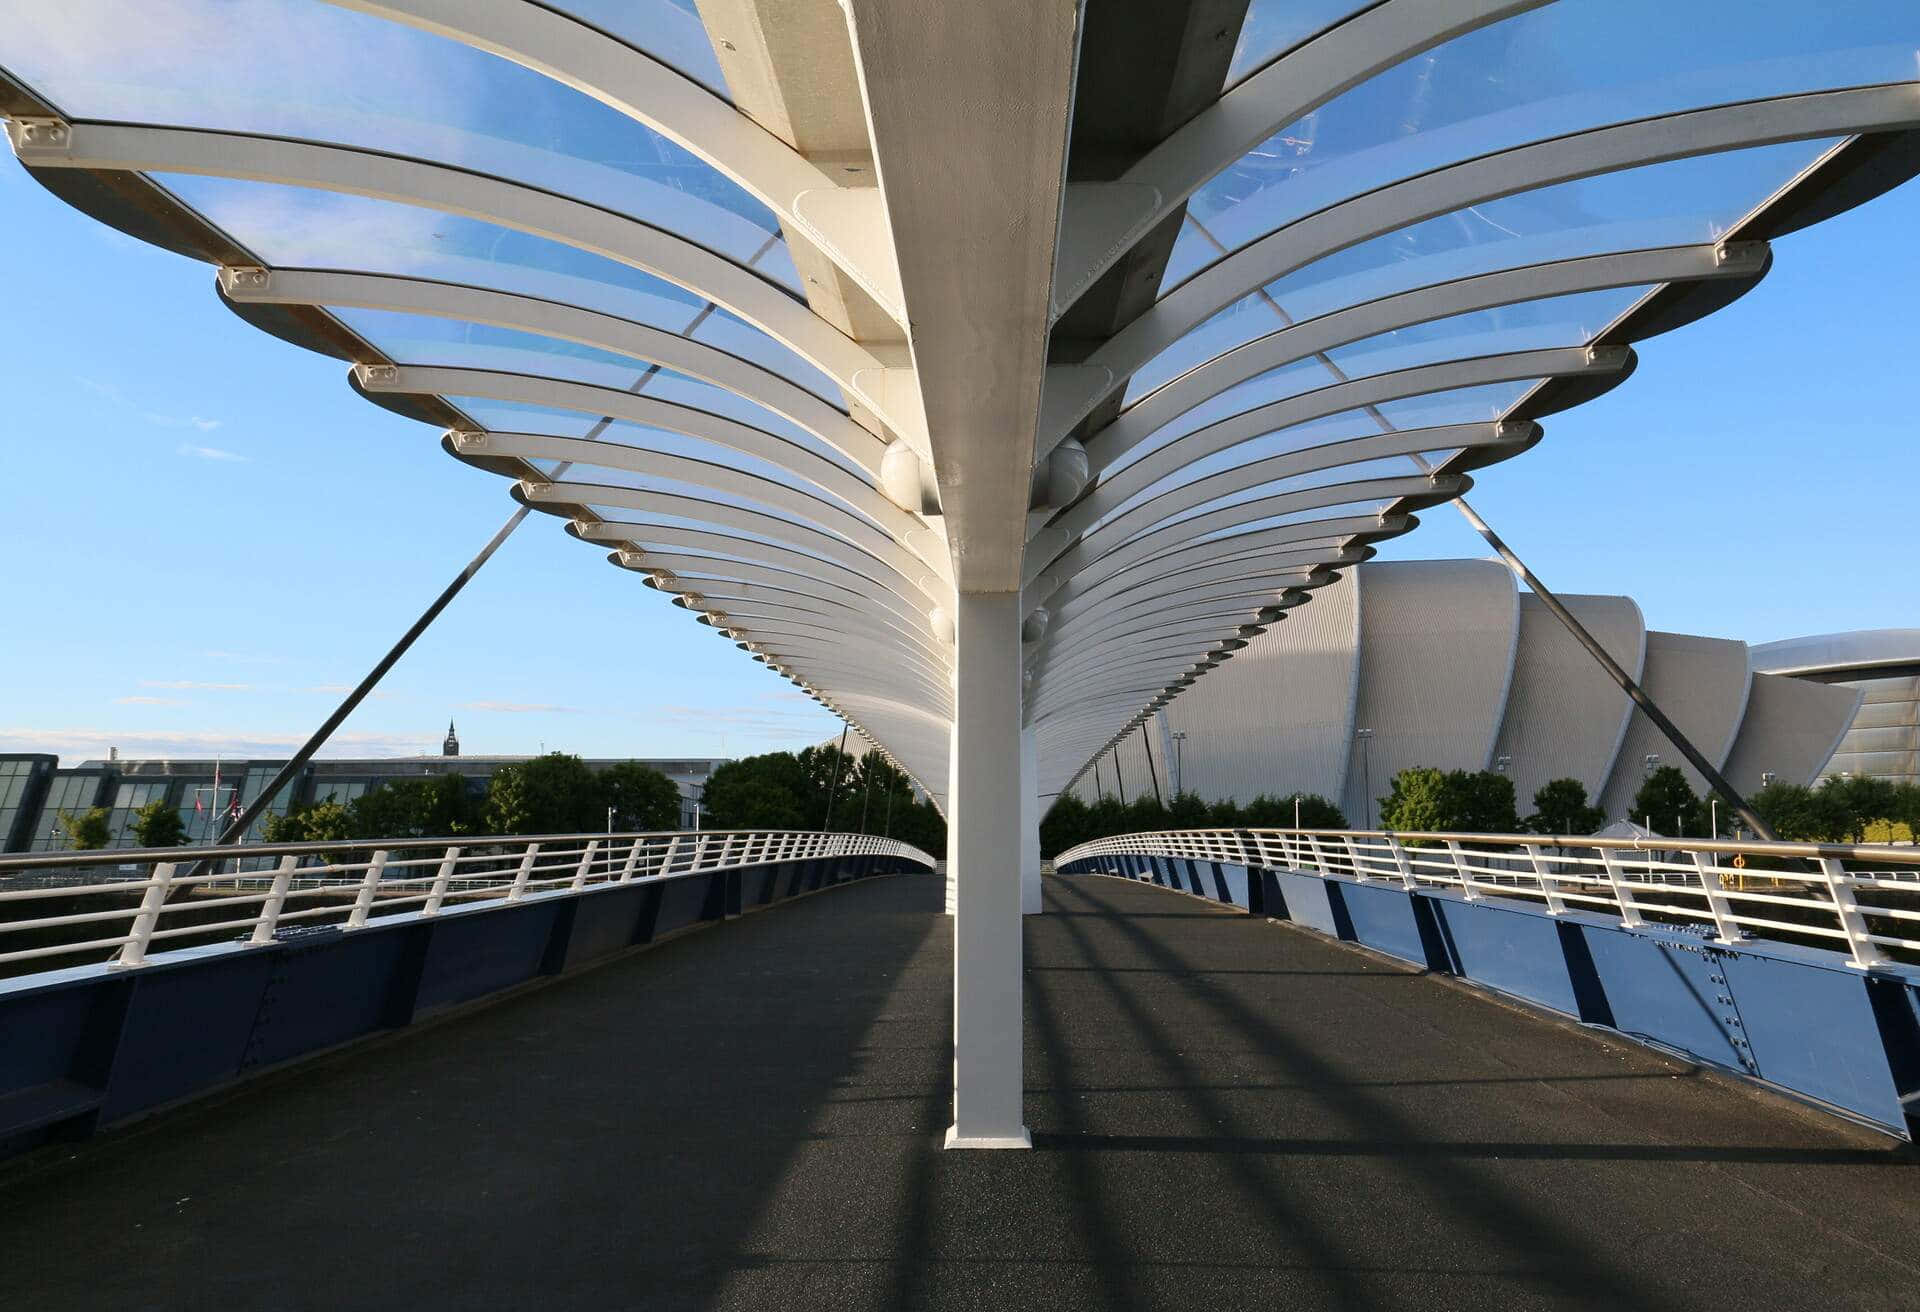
x=612 y=477
x=1390 y=467
x=1555 y=321
x=1343 y=510
x=641 y=521
x=1464 y=405
x=1279 y=441
x=516 y=417
x=565 y=423
x=1288 y=380
x=1563 y=68
x=1678 y=203
x=452 y=343
x=313 y=71
x=669 y=30
x=1273 y=27
x=300 y=228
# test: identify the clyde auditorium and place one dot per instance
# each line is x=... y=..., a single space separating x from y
x=1449 y=664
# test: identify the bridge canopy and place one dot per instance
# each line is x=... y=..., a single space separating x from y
x=991 y=371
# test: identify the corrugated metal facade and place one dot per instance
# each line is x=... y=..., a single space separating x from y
x=1450 y=666
x=1789 y=731
x=1437 y=639
x=1565 y=718
x=1701 y=683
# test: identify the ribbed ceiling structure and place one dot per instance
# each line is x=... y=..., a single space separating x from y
x=821 y=316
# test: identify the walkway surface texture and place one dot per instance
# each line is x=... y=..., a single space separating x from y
x=1227 y=1114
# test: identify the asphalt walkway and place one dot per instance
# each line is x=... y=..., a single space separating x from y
x=1227 y=1114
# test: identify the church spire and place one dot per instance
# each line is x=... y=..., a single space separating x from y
x=451 y=747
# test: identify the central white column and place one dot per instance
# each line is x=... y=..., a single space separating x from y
x=984 y=827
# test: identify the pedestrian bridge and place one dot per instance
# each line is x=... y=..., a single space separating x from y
x=1228 y=1109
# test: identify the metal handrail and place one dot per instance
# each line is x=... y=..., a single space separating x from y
x=411 y=876
x=1637 y=881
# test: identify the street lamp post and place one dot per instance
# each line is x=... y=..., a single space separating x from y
x=1366 y=774
x=1179 y=762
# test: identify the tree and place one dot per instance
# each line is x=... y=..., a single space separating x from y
x=1665 y=798
x=1315 y=812
x=770 y=791
x=755 y=804
x=88 y=831
x=1856 y=801
x=1417 y=801
x=1795 y=813
x=322 y=822
x=551 y=794
x=1226 y=814
x=1188 y=810
x=640 y=796
x=1905 y=810
x=1066 y=824
x=922 y=826
x=416 y=808
x=827 y=772
x=1422 y=798
x=1560 y=807
x=158 y=825
x=1145 y=815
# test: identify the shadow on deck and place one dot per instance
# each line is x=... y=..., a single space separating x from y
x=1226 y=1113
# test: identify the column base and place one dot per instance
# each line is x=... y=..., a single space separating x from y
x=957 y=1140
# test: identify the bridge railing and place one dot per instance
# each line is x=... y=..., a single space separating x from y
x=69 y=907
x=1862 y=901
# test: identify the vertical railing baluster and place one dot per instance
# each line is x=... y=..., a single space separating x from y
x=1463 y=870
x=585 y=867
x=1622 y=891
x=1354 y=867
x=438 y=893
x=269 y=917
x=1401 y=863
x=1865 y=952
x=527 y=858
x=1549 y=887
x=134 y=951
x=1726 y=923
x=363 y=901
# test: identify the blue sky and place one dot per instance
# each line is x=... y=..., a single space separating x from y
x=208 y=534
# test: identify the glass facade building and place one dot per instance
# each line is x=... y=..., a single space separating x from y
x=34 y=791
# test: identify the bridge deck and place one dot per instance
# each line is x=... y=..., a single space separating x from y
x=1227 y=1113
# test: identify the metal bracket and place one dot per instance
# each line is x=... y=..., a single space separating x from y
x=377 y=376
x=1741 y=255
x=39 y=137
x=242 y=280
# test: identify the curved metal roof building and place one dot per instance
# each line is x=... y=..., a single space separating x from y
x=992 y=371
x=1883 y=666
x=1446 y=663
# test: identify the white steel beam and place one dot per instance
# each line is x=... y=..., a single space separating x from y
x=837 y=208
x=968 y=106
